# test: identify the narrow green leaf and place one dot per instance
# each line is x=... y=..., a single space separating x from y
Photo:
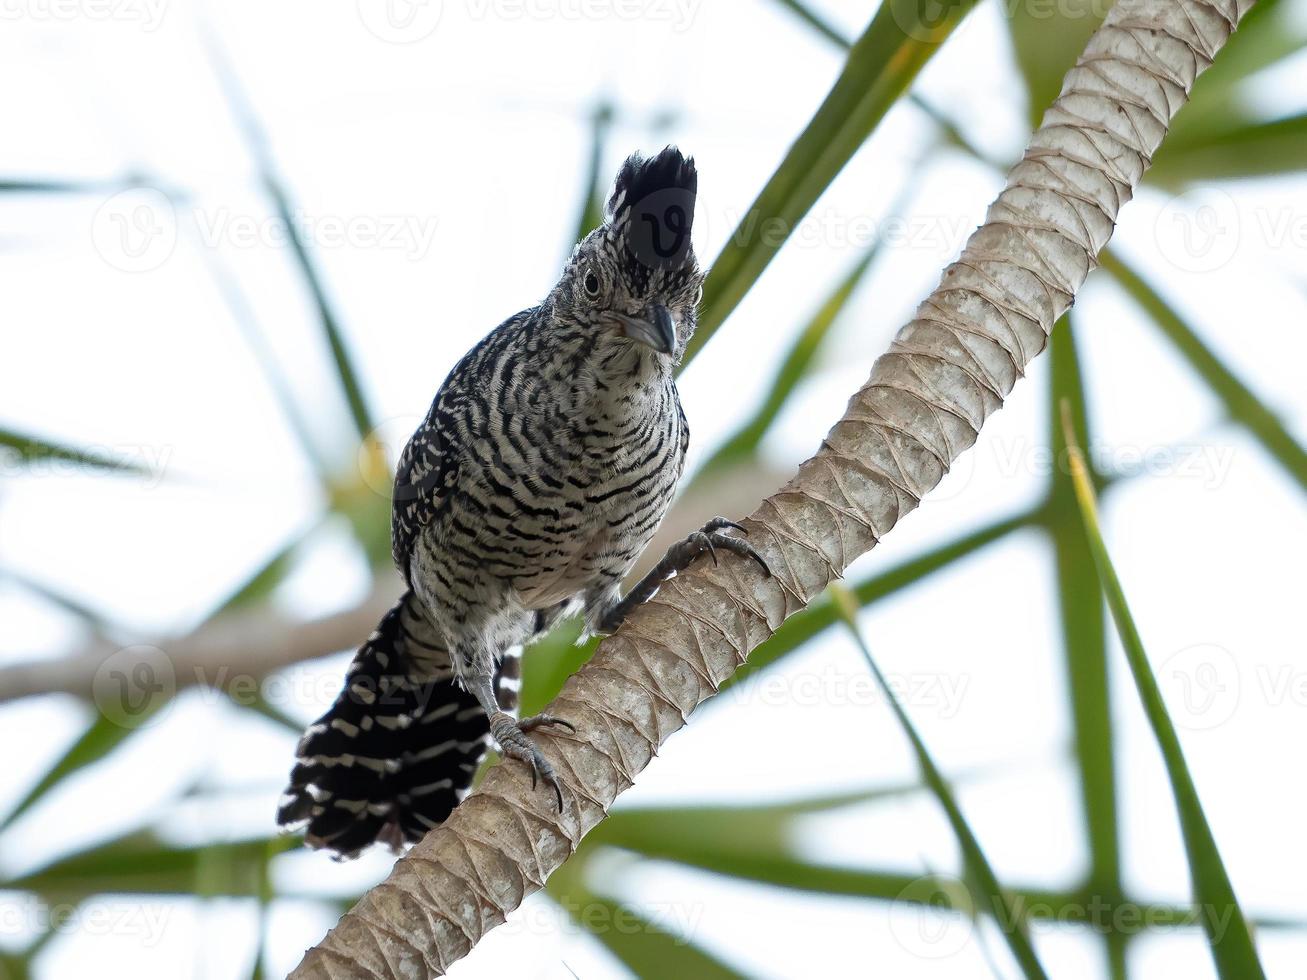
x=263 y=580
x=1084 y=642
x=1005 y=911
x=756 y=828
x=900 y=39
x=99 y=739
x=793 y=369
x=815 y=21
x=38 y=185
x=1267 y=34
x=1243 y=406
x=1229 y=148
x=142 y=862
x=29 y=449
x=247 y=120
x=247 y=321
x=57 y=597
x=596 y=179
x=549 y=661
x=1047 y=39
x=1223 y=920
x=643 y=946
x=803 y=626
x=725 y=855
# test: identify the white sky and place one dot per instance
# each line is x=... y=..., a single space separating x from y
x=441 y=178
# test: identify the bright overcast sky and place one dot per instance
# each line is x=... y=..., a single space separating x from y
x=437 y=167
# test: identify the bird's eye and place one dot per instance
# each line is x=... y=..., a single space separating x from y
x=592 y=283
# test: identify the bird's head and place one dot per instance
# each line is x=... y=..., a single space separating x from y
x=635 y=276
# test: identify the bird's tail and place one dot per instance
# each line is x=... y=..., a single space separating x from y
x=395 y=753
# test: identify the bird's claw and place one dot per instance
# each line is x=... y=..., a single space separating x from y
x=512 y=738
x=711 y=537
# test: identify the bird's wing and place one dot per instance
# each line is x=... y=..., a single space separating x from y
x=428 y=468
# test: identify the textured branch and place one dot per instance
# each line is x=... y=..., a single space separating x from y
x=945 y=374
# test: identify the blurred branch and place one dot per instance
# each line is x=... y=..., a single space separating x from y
x=231 y=648
x=946 y=372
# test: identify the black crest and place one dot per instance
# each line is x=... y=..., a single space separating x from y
x=652 y=206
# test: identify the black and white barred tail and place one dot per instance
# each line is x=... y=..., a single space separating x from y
x=395 y=753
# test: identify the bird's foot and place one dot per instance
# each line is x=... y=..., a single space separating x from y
x=511 y=735
x=707 y=540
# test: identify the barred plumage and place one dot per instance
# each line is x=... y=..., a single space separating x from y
x=543 y=468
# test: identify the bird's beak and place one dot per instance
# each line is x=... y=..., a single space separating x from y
x=654 y=328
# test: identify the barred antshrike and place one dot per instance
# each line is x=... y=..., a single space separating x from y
x=546 y=462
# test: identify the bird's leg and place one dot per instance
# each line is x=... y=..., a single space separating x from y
x=511 y=734
x=678 y=558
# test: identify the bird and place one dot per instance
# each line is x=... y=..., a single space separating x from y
x=547 y=460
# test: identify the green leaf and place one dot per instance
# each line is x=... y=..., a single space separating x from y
x=1267 y=34
x=91 y=617
x=32 y=449
x=644 y=947
x=1232 y=148
x=1005 y=911
x=142 y=862
x=1227 y=931
x=794 y=368
x=901 y=38
x=815 y=21
x=99 y=739
x=592 y=207
x=1048 y=39
x=1243 y=406
x=549 y=661
x=1084 y=642
x=247 y=120
x=264 y=580
x=247 y=321
x=749 y=827
x=803 y=626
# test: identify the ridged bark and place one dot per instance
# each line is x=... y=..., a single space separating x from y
x=946 y=372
